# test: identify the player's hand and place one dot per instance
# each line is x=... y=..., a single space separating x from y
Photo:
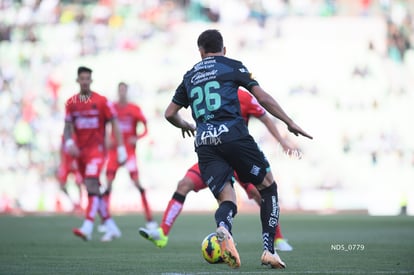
x=189 y=130
x=296 y=130
x=289 y=149
x=71 y=148
x=121 y=154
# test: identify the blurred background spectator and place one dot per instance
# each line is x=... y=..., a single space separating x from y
x=342 y=68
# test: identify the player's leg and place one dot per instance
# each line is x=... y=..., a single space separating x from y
x=252 y=193
x=224 y=219
x=110 y=173
x=252 y=166
x=92 y=187
x=280 y=242
x=191 y=181
x=132 y=168
x=63 y=172
x=269 y=215
x=218 y=174
x=62 y=176
x=78 y=181
x=104 y=202
x=111 y=229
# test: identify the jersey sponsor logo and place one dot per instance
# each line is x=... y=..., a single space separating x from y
x=211 y=136
x=92 y=112
x=203 y=76
x=87 y=123
x=125 y=125
x=205 y=64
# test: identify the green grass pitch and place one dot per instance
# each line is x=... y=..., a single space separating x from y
x=45 y=245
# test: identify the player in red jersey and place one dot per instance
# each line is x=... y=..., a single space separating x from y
x=87 y=113
x=192 y=180
x=129 y=116
x=69 y=165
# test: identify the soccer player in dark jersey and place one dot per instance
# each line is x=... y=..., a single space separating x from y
x=87 y=113
x=129 y=116
x=192 y=180
x=223 y=143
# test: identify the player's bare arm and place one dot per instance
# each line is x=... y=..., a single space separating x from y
x=121 y=151
x=270 y=125
x=133 y=139
x=144 y=132
x=271 y=105
x=172 y=115
x=69 y=144
x=108 y=140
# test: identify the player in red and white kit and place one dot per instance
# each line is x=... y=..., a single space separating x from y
x=69 y=165
x=87 y=113
x=129 y=117
x=192 y=180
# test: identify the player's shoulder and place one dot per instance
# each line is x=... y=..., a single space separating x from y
x=189 y=73
x=72 y=98
x=98 y=96
x=231 y=61
x=101 y=100
x=133 y=106
x=72 y=102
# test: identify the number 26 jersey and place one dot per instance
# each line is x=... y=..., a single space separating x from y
x=210 y=89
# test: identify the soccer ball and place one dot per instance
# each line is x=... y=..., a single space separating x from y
x=210 y=249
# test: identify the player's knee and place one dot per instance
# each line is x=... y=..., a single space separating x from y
x=267 y=181
x=184 y=186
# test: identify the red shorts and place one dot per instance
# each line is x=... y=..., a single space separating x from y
x=113 y=165
x=68 y=164
x=91 y=164
x=194 y=174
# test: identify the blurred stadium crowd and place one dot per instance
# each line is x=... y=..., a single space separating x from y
x=345 y=68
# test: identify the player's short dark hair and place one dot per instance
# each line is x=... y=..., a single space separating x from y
x=83 y=69
x=211 y=41
x=122 y=84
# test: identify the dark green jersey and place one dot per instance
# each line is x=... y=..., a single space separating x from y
x=210 y=88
